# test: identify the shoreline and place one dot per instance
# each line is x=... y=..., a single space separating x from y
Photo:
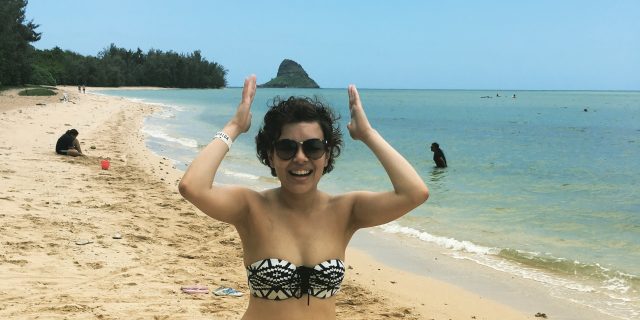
x=433 y=263
x=566 y=301
x=166 y=242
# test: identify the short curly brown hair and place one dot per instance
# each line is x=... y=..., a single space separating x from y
x=295 y=110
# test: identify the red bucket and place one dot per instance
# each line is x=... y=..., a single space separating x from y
x=105 y=164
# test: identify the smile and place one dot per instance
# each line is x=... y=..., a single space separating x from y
x=301 y=173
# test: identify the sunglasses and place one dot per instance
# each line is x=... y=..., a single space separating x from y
x=314 y=149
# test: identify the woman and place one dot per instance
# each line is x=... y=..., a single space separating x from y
x=68 y=144
x=294 y=237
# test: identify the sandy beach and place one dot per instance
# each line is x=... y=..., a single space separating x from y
x=79 y=242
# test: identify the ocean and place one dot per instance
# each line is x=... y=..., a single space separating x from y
x=541 y=185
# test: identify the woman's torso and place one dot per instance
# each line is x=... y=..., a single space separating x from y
x=305 y=239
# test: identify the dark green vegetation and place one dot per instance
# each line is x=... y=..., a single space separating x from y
x=291 y=75
x=114 y=67
x=38 y=91
x=15 y=36
x=21 y=63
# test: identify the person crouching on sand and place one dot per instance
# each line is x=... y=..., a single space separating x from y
x=294 y=236
x=68 y=144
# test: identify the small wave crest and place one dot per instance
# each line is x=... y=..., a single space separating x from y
x=164 y=114
x=167 y=110
x=614 y=296
x=611 y=280
x=160 y=134
x=448 y=243
x=256 y=182
x=173 y=107
x=610 y=291
x=142 y=100
x=240 y=175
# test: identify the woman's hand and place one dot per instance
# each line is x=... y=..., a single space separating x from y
x=241 y=121
x=359 y=127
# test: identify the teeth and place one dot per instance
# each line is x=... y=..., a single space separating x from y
x=301 y=172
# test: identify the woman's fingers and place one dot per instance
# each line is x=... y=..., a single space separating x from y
x=243 y=114
x=352 y=126
x=355 y=106
x=359 y=125
x=249 y=89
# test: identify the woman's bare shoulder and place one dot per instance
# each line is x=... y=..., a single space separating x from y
x=259 y=197
x=343 y=201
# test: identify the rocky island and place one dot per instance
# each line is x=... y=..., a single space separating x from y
x=290 y=75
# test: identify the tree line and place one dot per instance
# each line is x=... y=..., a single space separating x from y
x=21 y=63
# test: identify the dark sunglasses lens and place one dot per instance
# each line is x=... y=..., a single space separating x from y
x=286 y=149
x=313 y=148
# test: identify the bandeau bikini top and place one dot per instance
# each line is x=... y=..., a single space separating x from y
x=277 y=279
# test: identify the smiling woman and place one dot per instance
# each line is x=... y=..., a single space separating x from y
x=299 y=110
x=294 y=237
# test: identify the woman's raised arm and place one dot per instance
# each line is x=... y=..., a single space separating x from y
x=226 y=204
x=409 y=191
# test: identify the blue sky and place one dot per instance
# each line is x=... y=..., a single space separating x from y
x=494 y=45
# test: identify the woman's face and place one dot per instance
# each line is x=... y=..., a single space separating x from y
x=301 y=173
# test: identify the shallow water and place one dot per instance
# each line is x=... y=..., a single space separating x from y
x=542 y=186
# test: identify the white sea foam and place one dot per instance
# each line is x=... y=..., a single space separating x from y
x=525 y=272
x=165 y=107
x=141 y=100
x=170 y=106
x=486 y=256
x=164 y=114
x=160 y=134
x=609 y=298
x=240 y=175
x=606 y=298
x=157 y=104
x=168 y=110
x=448 y=243
x=616 y=284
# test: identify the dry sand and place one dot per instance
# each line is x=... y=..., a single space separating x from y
x=59 y=215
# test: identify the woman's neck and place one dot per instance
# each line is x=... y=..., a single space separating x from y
x=300 y=203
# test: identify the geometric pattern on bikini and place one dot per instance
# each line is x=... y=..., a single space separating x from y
x=278 y=279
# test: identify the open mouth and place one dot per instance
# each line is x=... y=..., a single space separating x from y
x=300 y=173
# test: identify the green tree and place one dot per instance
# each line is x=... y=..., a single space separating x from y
x=15 y=38
x=42 y=76
x=115 y=66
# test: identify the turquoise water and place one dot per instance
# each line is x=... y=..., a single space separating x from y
x=536 y=186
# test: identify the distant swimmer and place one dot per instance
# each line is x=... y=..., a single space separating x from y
x=514 y=96
x=438 y=156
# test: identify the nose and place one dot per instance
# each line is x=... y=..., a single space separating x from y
x=300 y=155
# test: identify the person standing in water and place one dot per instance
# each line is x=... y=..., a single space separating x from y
x=438 y=156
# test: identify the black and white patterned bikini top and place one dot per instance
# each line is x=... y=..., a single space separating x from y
x=277 y=279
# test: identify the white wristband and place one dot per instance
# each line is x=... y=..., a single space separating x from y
x=224 y=137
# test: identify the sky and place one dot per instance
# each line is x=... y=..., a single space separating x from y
x=400 y=44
